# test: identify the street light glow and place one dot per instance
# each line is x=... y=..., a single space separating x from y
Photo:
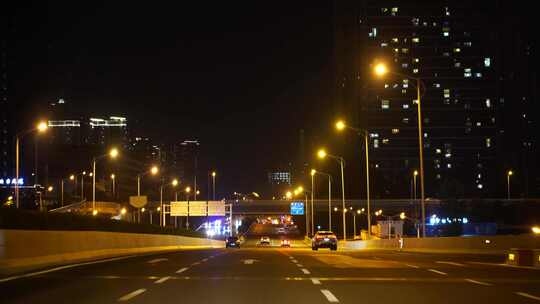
x=313 y=172
x=214 y=174
x=300 y=189
x=113 y=153
x=123 y=211
x=94 y=212
x=402 y=215
x=536 y=229
x=380 y=69
x=321 y=153
x=72 y=177
x=154 y=170
x=340 y=125
x=415 y=172
x=113 y=176
x=510 y=173
x=188 y=189
x=42 y=126
x=174 y=182
x=288 y=194
x=50 y=188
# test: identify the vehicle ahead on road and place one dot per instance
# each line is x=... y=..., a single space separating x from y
x=324 y=239
x=285 y=243
x=264 y=240
x=232 y=241
x=281 y=230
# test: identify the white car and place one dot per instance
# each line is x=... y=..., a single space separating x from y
x=264 y=241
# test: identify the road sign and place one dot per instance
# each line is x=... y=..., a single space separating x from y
x=297 y=208
x=216 y=208
x=179 y=208
x=138 y=201
x=197 y=208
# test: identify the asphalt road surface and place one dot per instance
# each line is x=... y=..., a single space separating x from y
x=276 y=275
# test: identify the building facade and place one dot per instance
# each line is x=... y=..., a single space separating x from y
x=452 y=47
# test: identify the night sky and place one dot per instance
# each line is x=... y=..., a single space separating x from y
x=242 y=77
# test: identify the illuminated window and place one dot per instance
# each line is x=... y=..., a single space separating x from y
x=478 y=75
x=395 y=40
x=487 y=62
x=405 y=120
x=385 y=104
x=384 y=44
x=374 y=135
x=394 y=10
x=415 y=21
x=416 y=40
x=395 y=131
x=385 y=141
x=405 y=50
x=457 y=64
x=457 y=50
x=478 y=124
x=438 y=151
x=468 y=43
x=416 y=60
x=488 y=142
x=446 y=93
x=405 y=65
x=446 y=54
x=449 y=166
x=467 y=74
x=373 y=32
x=405 y=106
x=415 y=71
x=446 y=31
x=375 y=143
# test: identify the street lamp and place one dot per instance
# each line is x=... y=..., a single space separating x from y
x=163 y=218
x=322 y=154
x=313 y=173
x=187 y=190
x=113 y=153
x=214 y=185
x=40 y=128
x=508 y=174
x=153 y=171
x=381 y=70
x=288 y=194
x=340 y=126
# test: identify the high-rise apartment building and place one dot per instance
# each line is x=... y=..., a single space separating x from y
x=184 y=161
x=452 y=47
x=6 y=108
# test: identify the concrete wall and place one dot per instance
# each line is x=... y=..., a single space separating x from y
x=26 y=249
x=499 y=244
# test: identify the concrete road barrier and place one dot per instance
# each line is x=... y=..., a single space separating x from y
x=22 y=250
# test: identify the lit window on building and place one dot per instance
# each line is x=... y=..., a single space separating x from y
x=386 y=85
x=449 y=166
x=415 y=101
x=405 y=50
x=384 y=10
x=395 y=40
x=425 y=135
x=415 y=21
x=405 y=120
x=405 y=106
x=416 y=40
x=478 y=124
x=479 y=186
x=467 y=43
x=374 y=135
x=438 y=176
x=446 y=31
x=446 y=54
x=385 y=141
x=488 y=142
x=457 y=50
x=394 y=10
x=405 y=65
x=415 y=71
x=446 y=11
x=488 y=103
x=373 y=32
x=487 y=62
x=384 y=44
x=478 y=75
x=467 y=74
x=385 y=104
x=446 y=93
x=448 y=155
x=375 y=143
x=416 y=60
x=395 y=131
x=457 y=64
x=436 y=85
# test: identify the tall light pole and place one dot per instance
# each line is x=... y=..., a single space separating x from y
x=163 y=217
x=329 y=196
x=113 y=180
x=340 y=126
x=381 y=70
x=322 y=154
x=40 y=128
x=187 y=190
x=508 y=175
x=312 y=191
x=214 y=185
x=113 y=153
x=415 y=174
x=153 y=170
x=62 y=192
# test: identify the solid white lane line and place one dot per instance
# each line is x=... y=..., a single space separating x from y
x=450 y=263
x=439 y=272
x=329 y=296
x=305 y=271
x=32 y=274
x=182 y=270
x=526 y=295
x=315 y=281
x=477 y=282
x=131 y=295
x=157 y=260
x=162 y=280
x=412 y=266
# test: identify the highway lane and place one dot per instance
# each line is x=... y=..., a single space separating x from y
x=276 y=275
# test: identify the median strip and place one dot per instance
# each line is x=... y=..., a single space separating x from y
x=329 y=296
x=526 y=295
x=439 y=272
x=131 y=295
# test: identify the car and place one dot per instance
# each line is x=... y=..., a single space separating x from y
x=264 y=240
x=281 y=230
x=324 y=239
x=232 y=241
x=285 y=243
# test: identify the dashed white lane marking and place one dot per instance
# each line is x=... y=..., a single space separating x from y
x=376 y=258
x=329 y=296
x=131 y=295
x=412 y=266
x=162 y=280
x=305 y=271
x=526 y=295
x=315 y=281
x=182 y=270
x=196 y=263
x=204 y=260
x=450 y=263
x=477 y=282
x=291 y=257
x=300 y=265
x=439 y=272
x=294 y=261
x=157 y=261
